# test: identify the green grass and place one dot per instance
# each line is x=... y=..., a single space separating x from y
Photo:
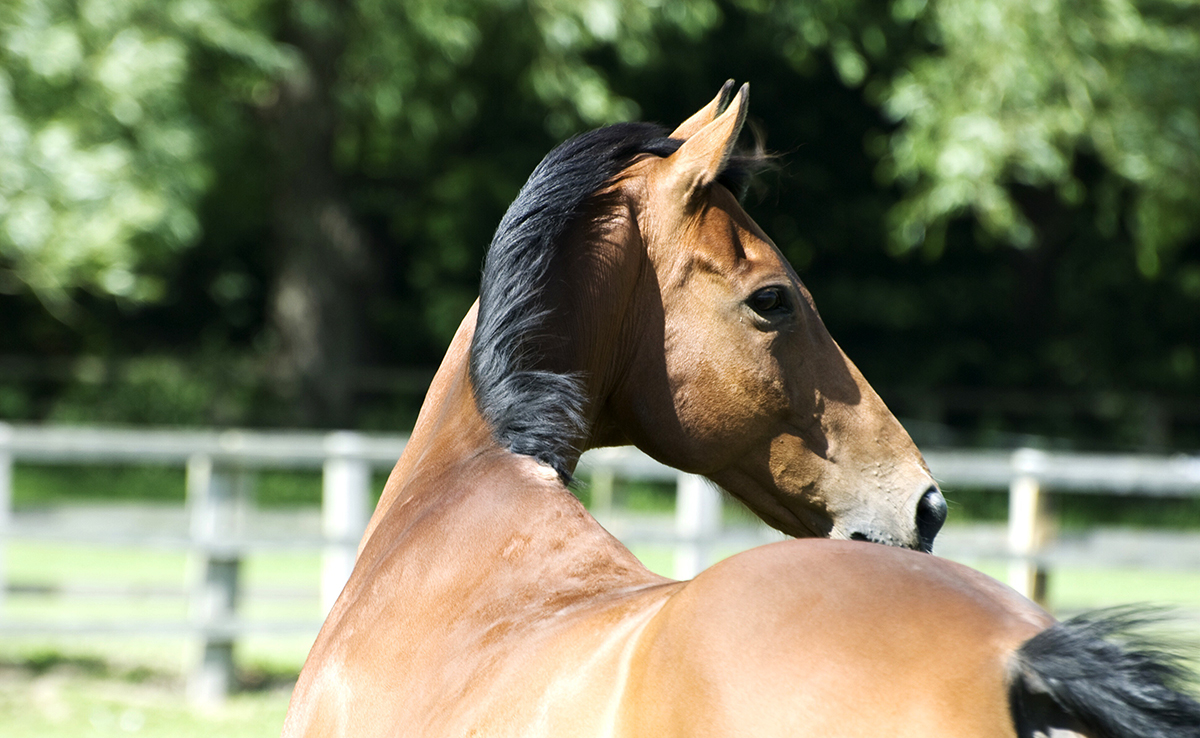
x=74 y=699
x=1079 y=588
x=36 y=485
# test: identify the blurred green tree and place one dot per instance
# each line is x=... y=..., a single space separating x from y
x=343 y=162
x=1010 y=92
x=110 y=132
x=101 y=158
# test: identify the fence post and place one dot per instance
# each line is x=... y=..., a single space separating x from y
x=6 y=465
x=1027 y=526
x=212 y=502
x=346 y=479
x=697 y=523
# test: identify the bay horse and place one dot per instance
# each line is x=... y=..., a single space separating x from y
x=627 y=298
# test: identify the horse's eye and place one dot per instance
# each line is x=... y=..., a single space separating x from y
x=769 y=302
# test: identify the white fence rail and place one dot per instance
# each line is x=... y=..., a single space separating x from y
x=218 y=463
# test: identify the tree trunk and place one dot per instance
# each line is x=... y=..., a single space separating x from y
x=322 y=254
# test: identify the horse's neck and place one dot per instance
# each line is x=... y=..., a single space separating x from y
x=599 y=304
x=448 y=428
x=451 y=440
x=601 y=272
x=452 y=466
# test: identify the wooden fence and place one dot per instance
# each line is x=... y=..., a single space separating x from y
x=218 y=465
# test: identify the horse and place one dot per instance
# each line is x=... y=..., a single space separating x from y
x=627 y=298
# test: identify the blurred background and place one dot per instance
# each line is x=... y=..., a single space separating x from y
x=271 y=214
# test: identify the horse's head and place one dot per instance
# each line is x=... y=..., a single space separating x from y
x=732 y=373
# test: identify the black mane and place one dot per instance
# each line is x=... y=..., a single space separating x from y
x=533 y=411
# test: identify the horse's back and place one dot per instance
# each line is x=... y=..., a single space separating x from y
x=801 y=638
x=823 y=638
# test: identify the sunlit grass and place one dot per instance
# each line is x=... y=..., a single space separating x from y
x=71 y=700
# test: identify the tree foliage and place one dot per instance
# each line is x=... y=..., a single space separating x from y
x=1012 y=91
x=102 y=160
x=313 y=182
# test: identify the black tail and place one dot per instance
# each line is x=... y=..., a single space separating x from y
x=1097 y=675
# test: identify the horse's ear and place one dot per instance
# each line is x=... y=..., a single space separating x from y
x=706 y=114
x=700 y=159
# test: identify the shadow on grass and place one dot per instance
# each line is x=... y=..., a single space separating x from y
x=42 y=663
x=48 y=661
x=265 y=679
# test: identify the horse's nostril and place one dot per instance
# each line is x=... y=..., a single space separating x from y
x=931 y=514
